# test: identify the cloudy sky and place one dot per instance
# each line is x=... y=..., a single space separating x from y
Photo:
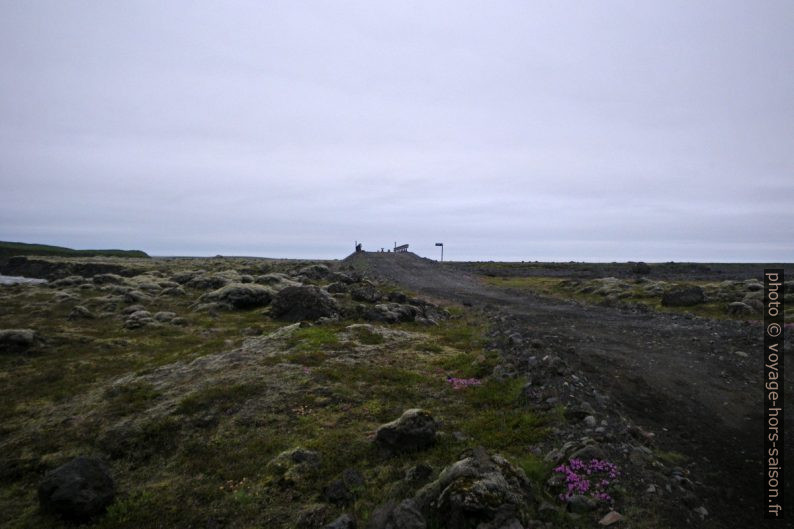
x=508 y=130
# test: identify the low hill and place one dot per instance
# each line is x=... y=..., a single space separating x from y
x=10 y=249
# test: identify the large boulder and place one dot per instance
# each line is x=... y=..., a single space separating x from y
x=240 y=296
x=17 y=340
x=78 y=490
x=481 y=490
x=303 y=303
x=683 y=297
x=414 y=430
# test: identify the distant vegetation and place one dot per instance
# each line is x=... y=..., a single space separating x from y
x=10 y=249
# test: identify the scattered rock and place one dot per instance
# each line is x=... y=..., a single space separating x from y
x=414 y=430
x=135 y=296
x=164 y=316
x=132 y=308
x=138 y=319
x=303 y=303
x=610 y=518
x=294 y=466
x=80 y=313
x=737 y=308
x=17 y=340
x=173 y=291
x=78 y=490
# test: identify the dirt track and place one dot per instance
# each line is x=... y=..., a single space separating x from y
x=676 y=376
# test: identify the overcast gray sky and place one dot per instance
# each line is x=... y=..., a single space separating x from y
x=508 y=130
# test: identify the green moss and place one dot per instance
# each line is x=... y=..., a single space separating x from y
x=317 y=337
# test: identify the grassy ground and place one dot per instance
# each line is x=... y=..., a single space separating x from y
x=205 y=460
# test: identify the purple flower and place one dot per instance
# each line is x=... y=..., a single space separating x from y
x=577 y=479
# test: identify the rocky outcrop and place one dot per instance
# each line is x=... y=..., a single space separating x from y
x=78 y=490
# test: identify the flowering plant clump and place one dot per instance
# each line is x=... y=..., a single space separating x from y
x=588 y=479
x=460 y=383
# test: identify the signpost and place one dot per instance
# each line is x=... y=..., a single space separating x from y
x=442 y=250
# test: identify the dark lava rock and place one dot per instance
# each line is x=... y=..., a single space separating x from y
x=17 y=340
x=80 y=312
x=683 y=297
x=414 y=430
x=78 y=490
x=303 y=303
